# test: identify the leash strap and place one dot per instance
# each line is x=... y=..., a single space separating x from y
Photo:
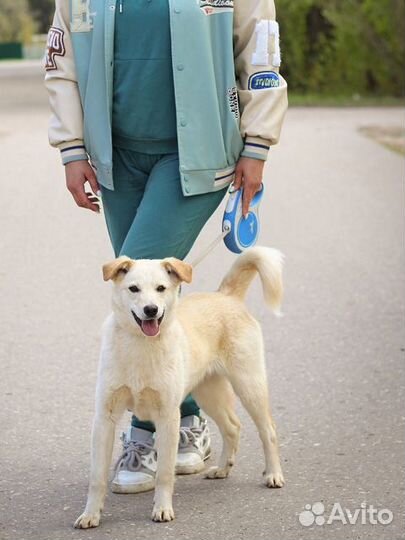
x=210 y=247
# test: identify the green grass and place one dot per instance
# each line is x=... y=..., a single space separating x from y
x=313 y=100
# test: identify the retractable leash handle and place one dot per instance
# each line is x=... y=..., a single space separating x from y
x=241 y=233
x=238 y=233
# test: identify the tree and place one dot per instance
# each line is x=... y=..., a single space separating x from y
x=42 y=11
x=16 y=24
x=343 y=47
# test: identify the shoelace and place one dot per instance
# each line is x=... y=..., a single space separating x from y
x=189 y=435
x=131 y=456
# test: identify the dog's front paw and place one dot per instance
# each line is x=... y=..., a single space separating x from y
x=85 y=521
x=216 y=472
x=274 y=480
x=160 y=513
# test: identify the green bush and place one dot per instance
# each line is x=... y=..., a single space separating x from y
x=343 y=47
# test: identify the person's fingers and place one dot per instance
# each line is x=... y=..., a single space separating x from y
x=78 y=174
x=237 y=183
x=248 y=194
x=81 y=198
x=94 y=199
x=250 y=188
x=92 y=180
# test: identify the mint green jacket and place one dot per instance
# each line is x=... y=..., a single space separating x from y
x=230 y=96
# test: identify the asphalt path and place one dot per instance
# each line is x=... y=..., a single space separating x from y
x=335 y=206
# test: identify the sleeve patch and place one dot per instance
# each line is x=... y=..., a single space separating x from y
x=264 y=29
x=55 y=46
x=263 y=80
x=260 y=57
x=275 y=31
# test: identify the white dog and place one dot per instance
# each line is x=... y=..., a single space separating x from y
x=156 y=349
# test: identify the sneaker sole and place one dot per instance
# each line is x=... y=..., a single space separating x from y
x=132 y=488
x=193 y=469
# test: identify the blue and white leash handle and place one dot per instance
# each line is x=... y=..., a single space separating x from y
x=238 y=232
x=243 y=232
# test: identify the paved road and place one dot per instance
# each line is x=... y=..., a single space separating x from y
x=335 y=207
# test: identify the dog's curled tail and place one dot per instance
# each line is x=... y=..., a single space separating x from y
x=268 y=263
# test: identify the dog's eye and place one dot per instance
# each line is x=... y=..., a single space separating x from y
x=161 y=288
x=133 y=288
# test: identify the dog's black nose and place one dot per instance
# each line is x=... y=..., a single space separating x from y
x=151 y=310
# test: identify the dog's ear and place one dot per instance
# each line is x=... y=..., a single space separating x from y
x=181 y=270
x=118 y=266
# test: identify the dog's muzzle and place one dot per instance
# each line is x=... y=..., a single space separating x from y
x=150 y=327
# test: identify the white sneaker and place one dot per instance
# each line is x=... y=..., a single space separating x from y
x=194 y=445
x=136 y=467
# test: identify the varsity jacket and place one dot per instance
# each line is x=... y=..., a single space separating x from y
x=230 y=96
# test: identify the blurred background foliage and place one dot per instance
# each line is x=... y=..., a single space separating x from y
x=341 y=47
x=16 y=21
x=330 y=47
x=42 y=12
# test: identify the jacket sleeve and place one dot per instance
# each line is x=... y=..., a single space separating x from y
x=262 y=90
x=66 y=122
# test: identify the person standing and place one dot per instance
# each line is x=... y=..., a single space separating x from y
x=160 y=105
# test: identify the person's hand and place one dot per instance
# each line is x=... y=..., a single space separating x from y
x=77 y=174
x=249 y=175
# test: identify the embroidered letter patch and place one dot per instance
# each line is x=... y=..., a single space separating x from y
x=55 y=46
x=263 y=80
x=210 y=7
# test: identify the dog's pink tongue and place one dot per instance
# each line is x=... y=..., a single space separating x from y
x=150 y=327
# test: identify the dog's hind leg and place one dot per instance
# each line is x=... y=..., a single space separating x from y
x=217 y=399
x=248 y=378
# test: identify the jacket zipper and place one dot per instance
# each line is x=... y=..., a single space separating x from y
x=121 y=6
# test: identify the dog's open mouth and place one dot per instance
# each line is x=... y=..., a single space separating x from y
x=150 y=327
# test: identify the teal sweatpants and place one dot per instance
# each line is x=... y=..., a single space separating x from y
x=148 y=217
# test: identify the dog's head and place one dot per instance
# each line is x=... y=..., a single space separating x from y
x=146 y=290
